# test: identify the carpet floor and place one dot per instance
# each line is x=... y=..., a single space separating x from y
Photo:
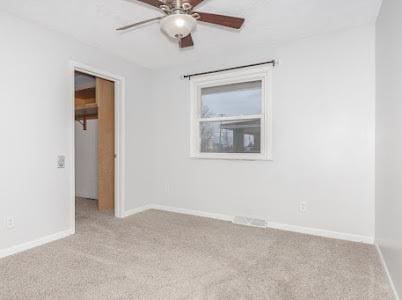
x=161 y=255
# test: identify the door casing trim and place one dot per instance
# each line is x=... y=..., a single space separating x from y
x=119 y=100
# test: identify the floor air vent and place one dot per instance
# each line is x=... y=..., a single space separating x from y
x=250 y=222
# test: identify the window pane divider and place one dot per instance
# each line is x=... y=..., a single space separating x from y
x=234 y=118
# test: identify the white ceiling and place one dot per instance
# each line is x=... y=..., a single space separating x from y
x=268 y=22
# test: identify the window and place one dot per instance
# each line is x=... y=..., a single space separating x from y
x=231 y=115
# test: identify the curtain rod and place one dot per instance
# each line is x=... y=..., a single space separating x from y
x=273 y=62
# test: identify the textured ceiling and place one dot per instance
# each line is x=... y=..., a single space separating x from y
x=268 y=22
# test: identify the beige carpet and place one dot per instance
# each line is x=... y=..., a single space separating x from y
x=160 y=255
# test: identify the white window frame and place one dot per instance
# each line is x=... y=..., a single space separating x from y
x=263 y=74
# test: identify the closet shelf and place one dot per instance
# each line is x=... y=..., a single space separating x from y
x=88 y=111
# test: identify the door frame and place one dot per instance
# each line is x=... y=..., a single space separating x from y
x=119 y=166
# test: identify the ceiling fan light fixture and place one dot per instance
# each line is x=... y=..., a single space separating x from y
x=179 y=19
x=178 y=25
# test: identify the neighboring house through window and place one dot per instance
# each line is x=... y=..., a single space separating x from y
x=231 y=115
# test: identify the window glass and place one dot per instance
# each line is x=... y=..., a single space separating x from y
x=240 y=136
x=239 y=99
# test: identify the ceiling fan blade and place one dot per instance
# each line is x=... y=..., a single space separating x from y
x=155 y=3
x=194 y=3
x=138 y=23
x=227 y=21
x=186 y=41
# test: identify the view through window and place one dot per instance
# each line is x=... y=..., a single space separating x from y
x=231 y=116
x=237 y=134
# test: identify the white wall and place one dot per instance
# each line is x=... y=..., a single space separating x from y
x=389 y=138
x=36 y=126
x=323 y=139
x=86 y=160
x=323 y=135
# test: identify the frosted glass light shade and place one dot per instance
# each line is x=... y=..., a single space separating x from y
x=178 y=25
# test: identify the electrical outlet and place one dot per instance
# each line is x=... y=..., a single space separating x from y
x=61 y=161
x=303 y=206
x=10 y=222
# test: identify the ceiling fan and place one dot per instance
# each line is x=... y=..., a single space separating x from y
x=180 y=19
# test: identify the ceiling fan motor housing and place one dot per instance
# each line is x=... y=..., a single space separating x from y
x=170 y=6
x=178 y=25
x=180 y=20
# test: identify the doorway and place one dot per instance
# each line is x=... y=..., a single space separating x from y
x=94 y=139
x=98 y=138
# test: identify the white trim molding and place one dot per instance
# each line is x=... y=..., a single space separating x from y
x=184 y=211
x=323 y=233
x=216 y=216
x=120 y=127
x=272 y=225
x=137 y=210
x=191 y=212
x=36 y=243
x=384 y=264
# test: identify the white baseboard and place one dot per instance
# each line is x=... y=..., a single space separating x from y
x=32 y=244
x=86 y=196
x=387 y=271
x=193 y=212
x=137 y=210
x=274 y=225
x=177 y=210
x=293 y=228
x=323 y=233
